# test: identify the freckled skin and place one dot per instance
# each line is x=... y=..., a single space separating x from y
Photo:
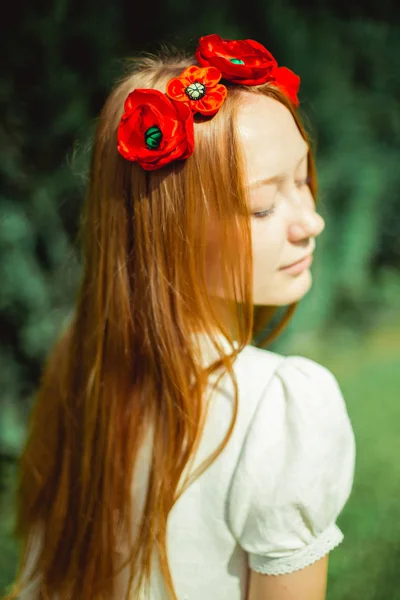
x=273 y=146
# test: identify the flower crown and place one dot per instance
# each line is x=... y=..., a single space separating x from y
x=158 y=128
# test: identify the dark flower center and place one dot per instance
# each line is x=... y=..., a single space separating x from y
x=153 y=137
x=236 y=61
x=196 y=90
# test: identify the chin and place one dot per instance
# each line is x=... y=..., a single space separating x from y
x=293 y=290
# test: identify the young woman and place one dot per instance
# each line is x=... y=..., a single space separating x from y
x=167 y=456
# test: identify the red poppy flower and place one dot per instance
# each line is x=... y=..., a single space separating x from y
x=154 y=130
x=240 y=61
x=198 y=88
x=288 y=82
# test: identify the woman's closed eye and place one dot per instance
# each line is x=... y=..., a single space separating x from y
x=265 y=213
x=306 y=181
x=302 y=182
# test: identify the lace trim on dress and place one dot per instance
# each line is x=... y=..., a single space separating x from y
x=329 y=539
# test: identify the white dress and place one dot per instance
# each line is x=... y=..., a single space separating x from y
x=271 y=499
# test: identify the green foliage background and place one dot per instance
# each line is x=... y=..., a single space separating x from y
x=59 y=61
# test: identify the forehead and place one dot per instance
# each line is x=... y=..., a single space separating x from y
x=270 y=138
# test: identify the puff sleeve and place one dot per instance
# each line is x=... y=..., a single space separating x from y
x=295 y=470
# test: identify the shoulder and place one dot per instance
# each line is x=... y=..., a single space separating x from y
x=295 y=469
x=274 y=378
x=288 y=400
x=294 y=379
x=300 y=402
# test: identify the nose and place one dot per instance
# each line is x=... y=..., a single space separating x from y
x=308 y=224
x=305 y=221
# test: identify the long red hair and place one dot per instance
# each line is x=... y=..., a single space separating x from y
x=127 y=359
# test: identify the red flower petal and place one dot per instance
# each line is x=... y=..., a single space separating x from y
x=210 y=76
x=288 y=82
x=189 y=73
x=192 y=74
x=186 y=118
x=257 y=61
x=144 y=96
x=210 y=104
x=176 y=89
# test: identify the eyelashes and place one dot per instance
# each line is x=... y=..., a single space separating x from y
x=302 y=182
x=265 y=213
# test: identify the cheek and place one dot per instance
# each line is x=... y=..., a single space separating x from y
x=268 y=243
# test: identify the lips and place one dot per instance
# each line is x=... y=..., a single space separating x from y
x=297 y=262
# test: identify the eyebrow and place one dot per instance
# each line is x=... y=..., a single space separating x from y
x=275 y=178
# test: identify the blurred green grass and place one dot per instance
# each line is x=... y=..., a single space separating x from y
x=366 y=564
